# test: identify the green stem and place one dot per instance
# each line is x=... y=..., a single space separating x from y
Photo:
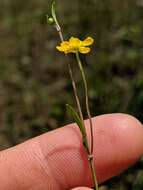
x=87 y=101
x=91 y=161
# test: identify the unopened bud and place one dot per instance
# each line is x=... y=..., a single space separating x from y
x=50 y=20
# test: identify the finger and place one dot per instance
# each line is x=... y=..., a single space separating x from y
x=57 y=160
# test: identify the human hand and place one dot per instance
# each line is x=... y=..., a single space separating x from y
x=58 y=161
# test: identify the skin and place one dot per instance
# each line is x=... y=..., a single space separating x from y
x=58 y=161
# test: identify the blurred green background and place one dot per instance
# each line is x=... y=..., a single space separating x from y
x=34 y=83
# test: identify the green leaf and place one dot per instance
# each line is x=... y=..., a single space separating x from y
x=80 y=124
x=76 y=118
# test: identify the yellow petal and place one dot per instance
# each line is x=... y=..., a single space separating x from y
x=84 y=50
x=64 y=46
x=65 y=43
x=60 y=48
x=88 y=41
x=74 y=41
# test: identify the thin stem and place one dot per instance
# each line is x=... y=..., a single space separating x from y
x=91 y=161
x=93 y=171
x=58 y=28
x=87 y=101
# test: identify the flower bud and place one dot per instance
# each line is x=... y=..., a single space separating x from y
x=50 y=20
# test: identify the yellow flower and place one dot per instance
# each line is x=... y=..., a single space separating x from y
x=75 y=45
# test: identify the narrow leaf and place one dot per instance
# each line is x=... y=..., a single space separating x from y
x=77 y=119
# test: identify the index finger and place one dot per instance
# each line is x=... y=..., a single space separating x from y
x=57 y=160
